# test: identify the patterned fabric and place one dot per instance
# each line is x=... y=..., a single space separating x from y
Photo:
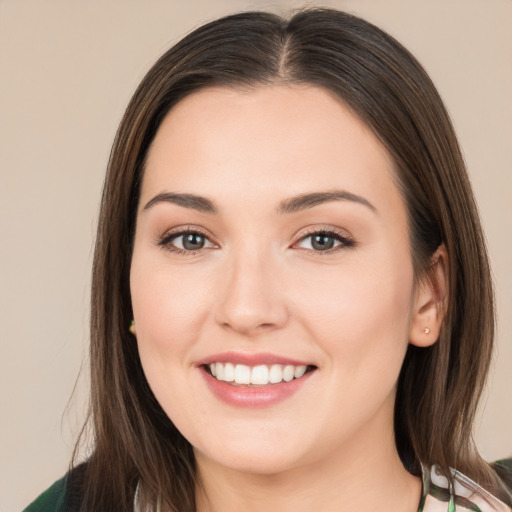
x=465 y=495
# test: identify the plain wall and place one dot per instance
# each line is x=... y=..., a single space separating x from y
x=67 y=71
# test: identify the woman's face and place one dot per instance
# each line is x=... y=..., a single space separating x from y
x=271 y=241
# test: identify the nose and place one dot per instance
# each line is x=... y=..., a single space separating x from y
x=252 y=300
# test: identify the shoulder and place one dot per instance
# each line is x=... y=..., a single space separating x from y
x=504 y=470
x=51 y=500
x=63 y=496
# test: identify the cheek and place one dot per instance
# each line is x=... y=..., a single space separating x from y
x=164 y=298
x=362 y=325
x=169 y=307
x=360 y=308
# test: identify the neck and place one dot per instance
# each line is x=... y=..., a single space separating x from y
x=356 y=479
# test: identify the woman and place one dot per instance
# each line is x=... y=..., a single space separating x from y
x=291 y=304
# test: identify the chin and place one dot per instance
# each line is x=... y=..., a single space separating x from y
x=251 y=458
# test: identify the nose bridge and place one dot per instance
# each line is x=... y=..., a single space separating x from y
x=251 y=299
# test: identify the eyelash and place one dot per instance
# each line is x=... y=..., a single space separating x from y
x=165 y=241
x=345 y=241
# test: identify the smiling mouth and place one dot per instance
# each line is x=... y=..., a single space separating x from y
x=253 y=376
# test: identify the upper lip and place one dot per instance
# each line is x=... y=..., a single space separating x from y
x=251 y=359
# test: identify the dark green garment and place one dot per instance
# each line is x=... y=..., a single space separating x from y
x=52 y=500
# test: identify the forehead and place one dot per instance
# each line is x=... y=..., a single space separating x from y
x=270 y=141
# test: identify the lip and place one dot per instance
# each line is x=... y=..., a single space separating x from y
x=257 y=396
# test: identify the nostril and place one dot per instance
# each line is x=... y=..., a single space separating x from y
x=247 y=327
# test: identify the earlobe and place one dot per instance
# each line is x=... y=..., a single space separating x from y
x=132 y=328
x=429 y=306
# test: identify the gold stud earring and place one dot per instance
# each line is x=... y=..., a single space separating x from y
x=426 y=330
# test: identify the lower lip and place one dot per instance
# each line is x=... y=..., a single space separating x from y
x=254 y=397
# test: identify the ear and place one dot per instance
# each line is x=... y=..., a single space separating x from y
x=429 y=303
x=132 y=328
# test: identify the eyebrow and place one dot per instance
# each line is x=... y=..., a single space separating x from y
x=186 y=200
x=291 y=205
x=305 y=201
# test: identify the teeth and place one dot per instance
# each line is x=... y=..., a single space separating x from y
x=288 y=373
x=276 y=373
x=299 y=371
x=219 y=371
x=229 y=372
x=260 y=375
x=242 y=374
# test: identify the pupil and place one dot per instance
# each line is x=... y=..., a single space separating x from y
x=323 y=242
x=193 y=241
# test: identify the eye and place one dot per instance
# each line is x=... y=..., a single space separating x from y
x=186 y=242
x=324 y=241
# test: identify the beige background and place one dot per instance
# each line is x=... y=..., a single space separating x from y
x=67 y=70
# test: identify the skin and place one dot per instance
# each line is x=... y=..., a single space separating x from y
x=258 y=285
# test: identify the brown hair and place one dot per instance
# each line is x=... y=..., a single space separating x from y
x=439 y=387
